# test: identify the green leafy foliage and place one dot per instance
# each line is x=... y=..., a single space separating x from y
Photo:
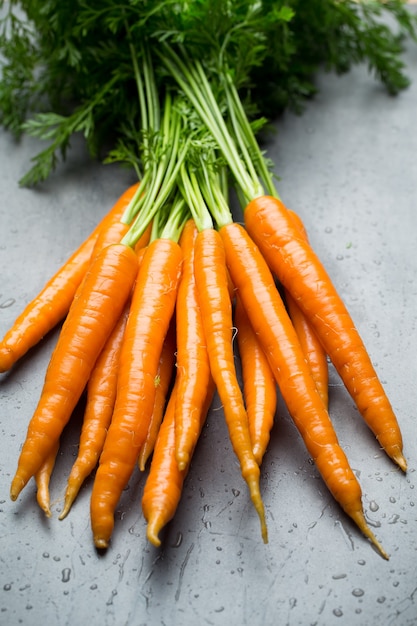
x=71 y=66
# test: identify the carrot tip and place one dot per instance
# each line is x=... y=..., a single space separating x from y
x=101 y=543
x=400 y=461
x=359 y=518
x=152 y=531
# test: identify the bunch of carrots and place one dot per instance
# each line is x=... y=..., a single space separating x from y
x=151 y=302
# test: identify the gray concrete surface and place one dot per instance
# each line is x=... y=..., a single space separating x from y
x=349 y=166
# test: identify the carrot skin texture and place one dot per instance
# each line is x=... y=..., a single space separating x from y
x=311 y=347
x=310 y=343
x=193 y=367
x=270 y=321
x=42 y=478
x=259 y=385
x=164 y=484
x=301 y=272
x=101 y=396
x=216 y=311
x=87 y=327
x=162 y=384
x=152 y=307
x=52 y=303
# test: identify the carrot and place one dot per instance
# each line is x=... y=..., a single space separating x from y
x=310 y=343
x=52 y=303
x=101 y=396
x=151 y=310
x=301 y=272
x=270 y=321
x=87 y=327
x=311 y=347
x=164 y=484
x=162 y=384
x=193 y=367
x=42 y=478
x=259 y=386
x=216 y=310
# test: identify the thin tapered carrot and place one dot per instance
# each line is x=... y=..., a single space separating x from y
x=216 y=310
x=163 y=382
x=101 y=396
x=90 y=321
x=259 y=385
x=52 y=303
x=270 y=321
x=42 y=478
x=193 y=367
x=301 y=272
x=164 y=484
x=151 y=310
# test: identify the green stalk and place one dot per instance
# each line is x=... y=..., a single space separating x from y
x=193 y=81
x=245 y=137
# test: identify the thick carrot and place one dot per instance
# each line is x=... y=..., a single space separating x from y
x=259 y=385
x=193 y=367
x=164 y=484
x=42 y=478
x=52 y=303
x=101 y=396
x=270 y=321
x=310 y=343
x=301 y=272
x=151 y=310
x=216 y=310
x=90 y=321
x=163 y=382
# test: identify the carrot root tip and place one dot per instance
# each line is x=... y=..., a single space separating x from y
x=359 y=518
x=152 y=532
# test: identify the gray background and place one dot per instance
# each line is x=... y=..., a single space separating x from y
x=349 y=167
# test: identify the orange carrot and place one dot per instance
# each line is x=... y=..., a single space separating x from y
x=90 y=321
x=193 y=367
x=270 y=321
x=301 y=272
x=311 y=347
x=163 y=382
x=151 y=310
x=101 y=396
x=52 y=303
x=216 y=310
x=42 y=478
x=164 y=484
x=259 y=386
x=310 y=343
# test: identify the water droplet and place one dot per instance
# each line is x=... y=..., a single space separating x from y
x=219 y=548
x=381 y=599
x=358 y=593
x=178 y=541
x=373 y=506
x=93 y=586
x=7 y=587
x=395 y=583
x=235 y=492
x=339 y=257
x=45 y=555
x=337 y=612
x=338 y=576
x=361 y=562
x=218 y=562
x=219 y=610
x=7 y=303
x=328 y=229
x=57 y=558
x=66 y=573
x=392 y=500
x=394 y=519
